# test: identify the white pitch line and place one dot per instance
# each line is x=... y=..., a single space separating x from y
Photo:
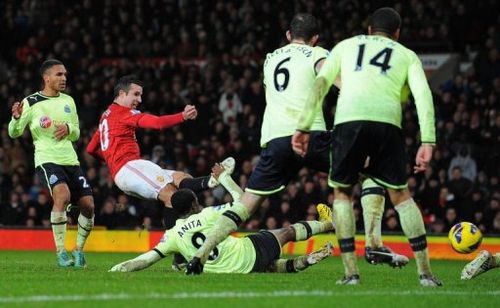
x=231 y=294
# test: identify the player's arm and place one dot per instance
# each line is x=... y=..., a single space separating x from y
x=73 y=126
x=327 y=75
x=166 y=121
x=423 y=100
x=139 y=263
x=425 y=111
x=21 y=116
x=164 y=247
x=94 y=146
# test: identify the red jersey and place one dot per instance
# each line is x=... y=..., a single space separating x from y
x=116 y=134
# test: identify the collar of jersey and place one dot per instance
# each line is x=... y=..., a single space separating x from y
x=40 y=93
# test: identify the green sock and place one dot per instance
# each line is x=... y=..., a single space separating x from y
x=343 y=216
x=372 y=202
x=227 y=222
x=305 y=229
x=84 y=227
x=414 y=229
x=58 y=221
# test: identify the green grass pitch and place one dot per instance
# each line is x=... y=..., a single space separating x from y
x=32 y=279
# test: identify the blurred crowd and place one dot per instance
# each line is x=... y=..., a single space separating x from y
x=209 y=53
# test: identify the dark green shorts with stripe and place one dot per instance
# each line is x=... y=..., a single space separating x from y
x=278 y=163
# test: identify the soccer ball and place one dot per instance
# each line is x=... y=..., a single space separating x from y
x=465 y=237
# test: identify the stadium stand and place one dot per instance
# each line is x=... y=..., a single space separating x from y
x=210 y=53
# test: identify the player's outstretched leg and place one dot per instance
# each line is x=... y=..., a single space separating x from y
x=482 y=263
x=298 y=264
x=205 y=182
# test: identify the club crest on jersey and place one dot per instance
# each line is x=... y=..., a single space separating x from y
x=53 y=178
x=160 y=178
x=45 y=122
x=67 y=109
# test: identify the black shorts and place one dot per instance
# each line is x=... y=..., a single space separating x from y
x=52 y=174
x=384 y=143
x=267 y=249
x=278 y=163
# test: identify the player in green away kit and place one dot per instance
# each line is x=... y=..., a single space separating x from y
x=53 y=122
x=289 y=74
x=258 y=252
x=374 y=69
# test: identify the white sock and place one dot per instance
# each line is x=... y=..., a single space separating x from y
x=372 y=202
x=413 y=226
x=84 y=227
x=58 y=221
x=345 y=229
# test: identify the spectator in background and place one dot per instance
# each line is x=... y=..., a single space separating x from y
x=461 y=188
x=451 y=218
x=229 y=103
x=13 y=212
x=496 y=224
x=438 y=226
x=101 y=55
x=465 y=162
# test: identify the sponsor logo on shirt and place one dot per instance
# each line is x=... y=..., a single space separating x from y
x=53 y=178
x=67 y=109
x=45 y=122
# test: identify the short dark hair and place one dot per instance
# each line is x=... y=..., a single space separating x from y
x=182 y=201
x=385 y=20
x=304 y=26
x=48 y=64
x=124 y=83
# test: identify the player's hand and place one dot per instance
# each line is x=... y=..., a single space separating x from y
x=190 y=112
x=423 y=158
x=17 y=110
x=217 y=170
x=61 y=131
x=118 y=268
x=300 y=142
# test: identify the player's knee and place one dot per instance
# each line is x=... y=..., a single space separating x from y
x=399 y=195
x=87 y=206
x=345 y=190
x=179 y=176
x=289 y=233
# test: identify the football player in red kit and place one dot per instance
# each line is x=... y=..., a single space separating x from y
x=115 y=142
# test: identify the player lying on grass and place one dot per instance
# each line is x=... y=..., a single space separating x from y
x=115 y=143
x=289 y=73
x=482 y=263
x=258 y=252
